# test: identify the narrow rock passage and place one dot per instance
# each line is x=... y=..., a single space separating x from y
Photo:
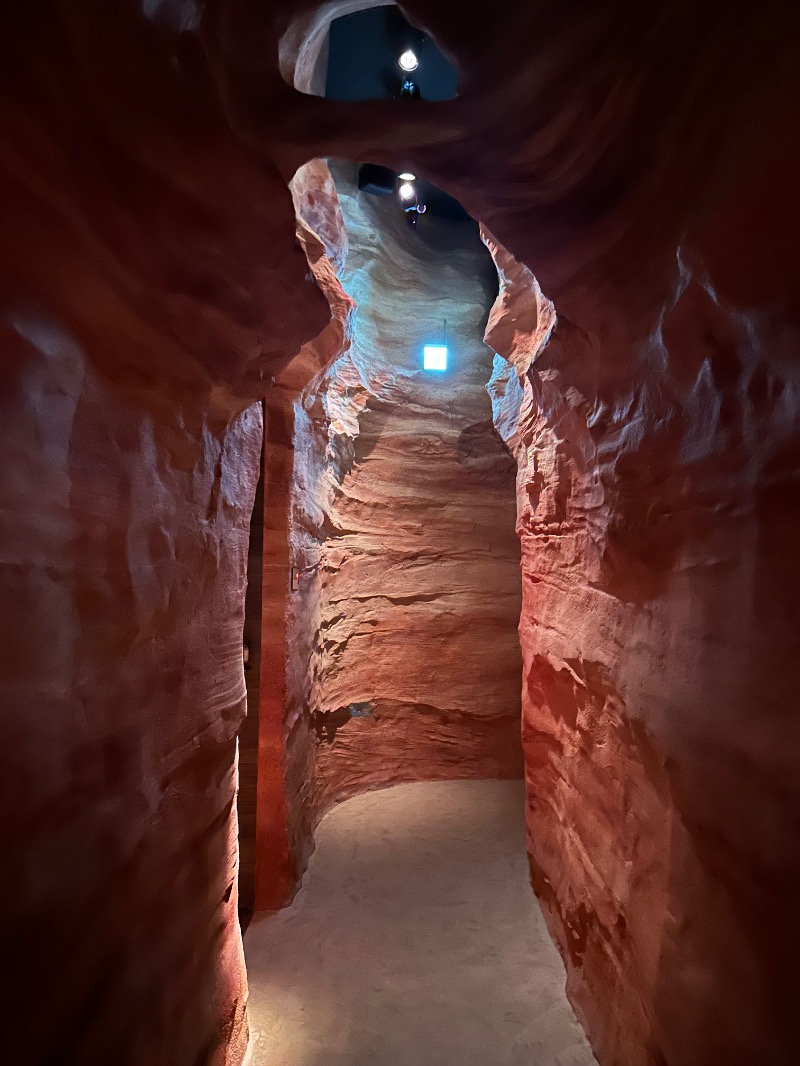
x=415 y=941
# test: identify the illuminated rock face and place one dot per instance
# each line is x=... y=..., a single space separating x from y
x=122 y=611
x=148 y=280
x=405 y=522
x=658 y=647
x=151 y=286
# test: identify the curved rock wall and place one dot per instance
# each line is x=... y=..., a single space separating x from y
x=658 y=646
x=643 y=161
x=404 y=523
x=284 y=779
x=144 y=291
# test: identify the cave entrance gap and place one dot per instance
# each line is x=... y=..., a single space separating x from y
x=405 y=513
x=390 y=603
x=403 y=669
x=392 y=592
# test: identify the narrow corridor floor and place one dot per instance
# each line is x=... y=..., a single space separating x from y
x=415 y=941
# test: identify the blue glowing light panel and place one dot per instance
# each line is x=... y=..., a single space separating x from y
x=434 y=357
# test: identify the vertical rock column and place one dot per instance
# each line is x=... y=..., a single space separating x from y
x=275 y=869
x=285 y=786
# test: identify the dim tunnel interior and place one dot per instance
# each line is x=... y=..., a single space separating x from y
x=402 y=531
x=401 y=721
x=183 y=307
x=412 y=260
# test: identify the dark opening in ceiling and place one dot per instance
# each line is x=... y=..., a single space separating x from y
x=364 y=49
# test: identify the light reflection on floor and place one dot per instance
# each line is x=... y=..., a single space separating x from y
x=415 y=941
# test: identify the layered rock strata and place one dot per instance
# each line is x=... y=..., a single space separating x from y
x=657 y=649
x=147 y=288
x=404 y=528
x=643 y=161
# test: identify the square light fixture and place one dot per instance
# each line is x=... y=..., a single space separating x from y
x=434 y=357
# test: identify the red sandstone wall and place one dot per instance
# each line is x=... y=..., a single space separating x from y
x=122 y=618
x=142 y=295
x=414 y=564
x=148 y=265
x=659 y=646
x=641 y=162
x=285 y=785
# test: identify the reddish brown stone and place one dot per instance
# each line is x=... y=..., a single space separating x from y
x=642 y=161
x=404 y=520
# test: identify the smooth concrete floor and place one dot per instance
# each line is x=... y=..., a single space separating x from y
x=415 y=941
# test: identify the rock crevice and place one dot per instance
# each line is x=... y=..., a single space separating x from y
x=405 y=523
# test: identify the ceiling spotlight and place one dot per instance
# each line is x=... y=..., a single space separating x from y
x=408 y=61
x=407 y=177
x=406 y=191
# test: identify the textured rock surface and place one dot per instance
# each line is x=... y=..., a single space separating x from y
x=122 y=617
x=658 y=651
x=658 y=460
x=404 y=526
x=148 y=267
x=290 y=619
x=147 y=276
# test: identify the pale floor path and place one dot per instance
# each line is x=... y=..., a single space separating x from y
x=415 y=941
